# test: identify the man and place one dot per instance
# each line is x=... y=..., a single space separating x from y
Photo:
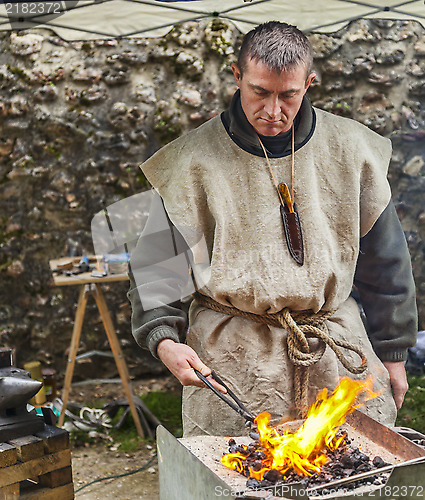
x=272 y=256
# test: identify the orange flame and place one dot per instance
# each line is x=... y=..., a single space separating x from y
x=303 y=449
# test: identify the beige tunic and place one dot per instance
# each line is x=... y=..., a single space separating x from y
x=209 y=184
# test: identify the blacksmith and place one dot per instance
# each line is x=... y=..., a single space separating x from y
x=295 y=208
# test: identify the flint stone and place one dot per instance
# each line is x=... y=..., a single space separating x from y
x=46 y=93
x=93 y=95
x=388 y=79
x=191 y=97
x=15 y=269
x=196 y=117
x=129 y=57
x=414 y=166
x=18 y=106
x=118 y=77
x=119 y=108
x=86 y=74
x=185 y=35
x=219 y=36
x=138 y=135
x=420 y=48
x=62 y=181
x=336 y=85
x=390 y=57
x=400 y=30
x=145 y=94
x=6 y=147
x=384 y=23
x=26 y=44
x=336 y=67
x=323 y=45
x=364 y=33
x=159 y=53
x=106 y=43
x=377 y=100
x=364 y=64
x=192 y=66
x=415 y=70
x=417 y=89
x=13 y=227
x=5 y=312
x=5 y=74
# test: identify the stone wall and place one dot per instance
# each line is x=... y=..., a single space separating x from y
x=77 y=119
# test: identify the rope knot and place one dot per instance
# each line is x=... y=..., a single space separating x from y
x=299 y=325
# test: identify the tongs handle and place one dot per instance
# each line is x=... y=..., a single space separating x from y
x=236 y=404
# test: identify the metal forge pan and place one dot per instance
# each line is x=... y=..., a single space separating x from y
x=190 y=468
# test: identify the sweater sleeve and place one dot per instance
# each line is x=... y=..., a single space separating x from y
x=159 y=275
x=386 y=288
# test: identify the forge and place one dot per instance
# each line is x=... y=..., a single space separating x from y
x=190 y=468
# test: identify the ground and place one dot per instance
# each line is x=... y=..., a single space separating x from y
x=97 y=459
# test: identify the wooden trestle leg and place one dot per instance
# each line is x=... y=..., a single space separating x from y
x=96 y=291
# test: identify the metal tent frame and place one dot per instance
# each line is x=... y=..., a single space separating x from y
x=94 y=19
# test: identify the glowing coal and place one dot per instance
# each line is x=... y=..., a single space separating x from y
x=281 y=453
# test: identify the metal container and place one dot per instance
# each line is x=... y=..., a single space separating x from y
x=190 y=468
x=49 y=382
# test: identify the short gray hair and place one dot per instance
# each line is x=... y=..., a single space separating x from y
x=280 y=46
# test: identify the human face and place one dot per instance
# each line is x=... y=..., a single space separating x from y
x=271 y=100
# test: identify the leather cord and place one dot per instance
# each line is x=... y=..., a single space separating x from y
x=292 y=165
x=292 y=162
x=271 y=171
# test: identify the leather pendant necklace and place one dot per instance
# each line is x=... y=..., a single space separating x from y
x=290 y=217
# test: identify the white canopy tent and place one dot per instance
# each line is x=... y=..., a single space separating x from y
x=94 y=19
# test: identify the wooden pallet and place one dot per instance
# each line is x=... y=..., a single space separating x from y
x=37 y=467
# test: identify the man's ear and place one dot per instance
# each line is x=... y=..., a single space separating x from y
x=309 y=80
x=237 y=73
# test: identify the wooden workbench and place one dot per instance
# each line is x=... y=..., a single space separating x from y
x=83 y=278
x=90 y=285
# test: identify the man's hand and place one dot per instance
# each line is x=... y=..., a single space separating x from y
x=182 y=360
x=398 y=380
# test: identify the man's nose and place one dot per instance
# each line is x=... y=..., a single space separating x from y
x=272 y=106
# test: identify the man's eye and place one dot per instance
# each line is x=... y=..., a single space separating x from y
x=261 y=93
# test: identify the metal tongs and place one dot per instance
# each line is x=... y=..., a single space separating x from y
x=236 y=404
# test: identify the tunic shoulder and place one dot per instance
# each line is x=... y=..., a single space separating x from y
x=367 y=152
x=174 y=159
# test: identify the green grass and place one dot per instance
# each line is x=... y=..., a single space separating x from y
x=126 y=438
x=166 y=406
x=412 y=413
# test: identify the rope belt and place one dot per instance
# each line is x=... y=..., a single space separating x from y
x=299 y=325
